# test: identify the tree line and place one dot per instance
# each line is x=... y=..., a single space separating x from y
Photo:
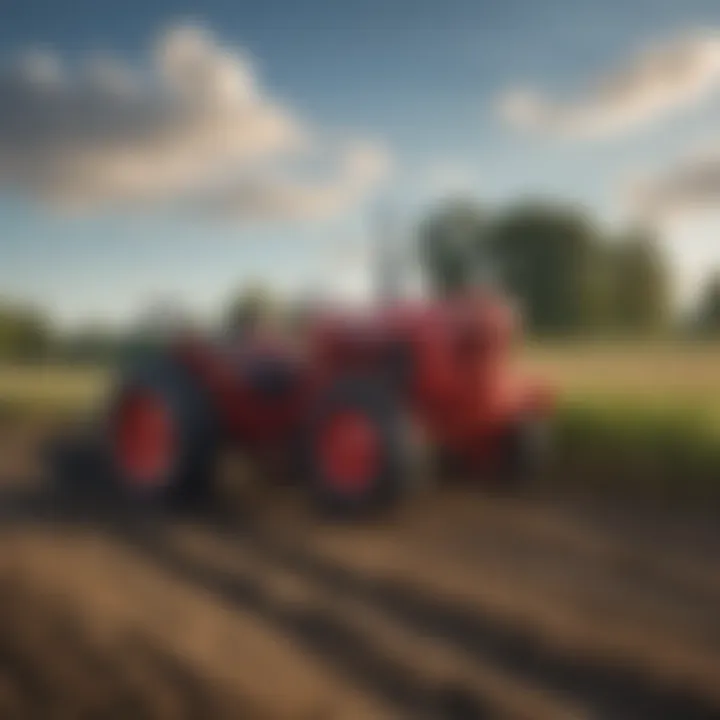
x=569 y=277
x=25 y=333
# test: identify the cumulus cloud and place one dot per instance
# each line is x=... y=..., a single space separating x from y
x=358 y=168
x=664 y=78
x=197 y=128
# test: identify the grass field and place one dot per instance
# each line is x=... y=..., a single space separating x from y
x=651 y=375
x=654 y=375
x=637 y=418
x=40 y=391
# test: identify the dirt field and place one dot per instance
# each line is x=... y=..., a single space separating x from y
x=462 y=606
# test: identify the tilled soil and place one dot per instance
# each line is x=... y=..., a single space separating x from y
x=461 y=606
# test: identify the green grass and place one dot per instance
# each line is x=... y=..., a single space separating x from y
x=638 y=419
x=670 y=453
x=656 y=376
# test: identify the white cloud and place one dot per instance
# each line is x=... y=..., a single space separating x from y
x=664 y=78
x=358 y=168
x=197 y=129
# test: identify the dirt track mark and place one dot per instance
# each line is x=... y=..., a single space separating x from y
x=408 y=600
x=572 y=600
x=52 y=668
x=355 y=654
x=596 y=553
x=606 y=689
x=368 y=656
x=435 y=662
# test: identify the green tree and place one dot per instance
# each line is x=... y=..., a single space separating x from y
x=641 y=292
x=450 y=243
x=25 y=333
x=551 y=259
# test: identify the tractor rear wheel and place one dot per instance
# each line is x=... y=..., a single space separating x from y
x=356 y=448
x=161 y=439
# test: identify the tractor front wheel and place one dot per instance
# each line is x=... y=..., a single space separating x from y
x=356 y=449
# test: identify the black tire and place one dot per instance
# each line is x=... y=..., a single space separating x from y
x=188 y=480
x=523 y=453
x=375 y=400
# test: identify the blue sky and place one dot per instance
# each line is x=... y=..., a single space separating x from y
x=419 y=76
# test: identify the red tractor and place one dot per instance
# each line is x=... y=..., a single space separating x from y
x=340 y=407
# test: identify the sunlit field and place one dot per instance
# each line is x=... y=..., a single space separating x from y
x=658 y=375
x=653 y=374
x=636 y=418
x=49 y=390
x=662 y=377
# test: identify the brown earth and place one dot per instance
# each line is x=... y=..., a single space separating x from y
x=460 y=606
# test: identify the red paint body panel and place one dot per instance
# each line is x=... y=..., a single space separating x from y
x=246 y=416
x=145 y=438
